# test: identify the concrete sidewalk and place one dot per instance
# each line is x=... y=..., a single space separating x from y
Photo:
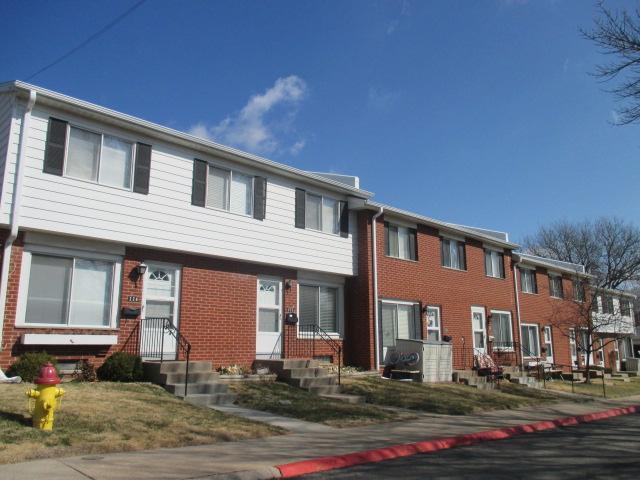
x=256 y=458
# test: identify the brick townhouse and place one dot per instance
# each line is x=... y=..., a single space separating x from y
x=111 y=224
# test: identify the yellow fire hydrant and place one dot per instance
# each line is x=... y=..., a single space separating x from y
x=47 y=396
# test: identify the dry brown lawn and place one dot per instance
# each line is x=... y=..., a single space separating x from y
x=114 y=417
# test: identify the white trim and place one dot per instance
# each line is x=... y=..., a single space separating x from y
x=36 y=239
x=400 y=222
x=452 y=236
x=398 y=302
x=508 y=313
x=537 y=329
x=483 y=310
x=280 y=307
x=23 y=291
x=62 y=339
x=487 y=246
x=431 y=329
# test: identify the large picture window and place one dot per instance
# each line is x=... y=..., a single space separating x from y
x=99 y=158
x=319 y=306
x=69 y=291
x=453 y=254
x=400 y=242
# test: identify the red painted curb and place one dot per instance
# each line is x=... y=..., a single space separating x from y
x=323 y=464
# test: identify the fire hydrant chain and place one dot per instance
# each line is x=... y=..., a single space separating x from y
x=47 y=397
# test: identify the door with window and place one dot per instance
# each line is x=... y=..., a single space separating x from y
x=160 y=301
x=269 y=321
x=548 y=343
x=479 y=325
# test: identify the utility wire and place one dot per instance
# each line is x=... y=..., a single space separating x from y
x=103 y=30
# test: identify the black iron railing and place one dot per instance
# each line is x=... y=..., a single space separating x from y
x=311 y=341
x=148 y=339
x=276 y=353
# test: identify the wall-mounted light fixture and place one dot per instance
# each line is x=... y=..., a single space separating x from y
x=141 y=269
x=287 y=284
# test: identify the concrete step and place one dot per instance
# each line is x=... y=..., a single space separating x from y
x=194 y=377
x=324 y=389
x=630 y=374
x=278 y=365
x=307 y=382
x=344 y=397
x=200 y=387
x=205 y=399
x=178 y=366
x=305 y=372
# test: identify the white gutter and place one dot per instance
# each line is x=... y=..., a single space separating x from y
x=15 y=208
x=515 y=286
x=376 y=321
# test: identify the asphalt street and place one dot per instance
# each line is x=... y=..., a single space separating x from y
x=602 y=449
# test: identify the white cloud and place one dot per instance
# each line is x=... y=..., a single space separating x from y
x=382 y=99
x=256 y=127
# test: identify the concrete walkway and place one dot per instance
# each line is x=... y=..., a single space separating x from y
x=256 y=458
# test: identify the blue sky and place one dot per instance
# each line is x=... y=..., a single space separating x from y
x=481 y=113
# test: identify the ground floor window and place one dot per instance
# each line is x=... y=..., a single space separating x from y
x=501 y=328
x=319 y=306
x=68 y=290
x=530 y=340
x=433 y=323
x=625 y=348
x=399 y=320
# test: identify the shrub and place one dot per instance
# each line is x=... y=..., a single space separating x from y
x=233 y=370
x=28 y=365
x=121 y=367
x=84 y=372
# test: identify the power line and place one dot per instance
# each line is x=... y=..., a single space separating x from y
x=104 y=29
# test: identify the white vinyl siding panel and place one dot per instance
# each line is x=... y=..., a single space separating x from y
x=166 y=219
x=6 y=123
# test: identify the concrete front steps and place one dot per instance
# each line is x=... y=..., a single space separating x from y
x=472 y=379
x=308 y=375
x=203 y=387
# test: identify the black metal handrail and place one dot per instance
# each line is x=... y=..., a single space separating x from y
x=277 y=349
x=303 y=343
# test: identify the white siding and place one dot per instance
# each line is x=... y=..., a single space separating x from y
x=6 y=117
x=165 y=218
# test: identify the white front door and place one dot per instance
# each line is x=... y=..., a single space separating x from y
x=269 y=318
x=479 y=325
x=160 y=300
x=548 y=343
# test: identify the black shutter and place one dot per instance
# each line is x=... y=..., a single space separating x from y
x=462 y=256
x=259 y=197
x=54 y=150
x=344 y=219
x=387 y=250
x=413 y=244
x=300 y=207
x=417 y=322
x=535 y=281
x=142 y=168
x=199 y=186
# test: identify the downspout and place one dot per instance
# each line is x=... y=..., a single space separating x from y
x=376 y=319
x=14 y=219
x=515 y=286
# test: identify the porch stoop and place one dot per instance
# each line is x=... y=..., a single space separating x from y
x=203 y=387
x=308 y=375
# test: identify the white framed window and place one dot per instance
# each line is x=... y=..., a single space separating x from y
x=528 y=282
x=502 y=330
x=453 y=253
x=229 y=190
x=322 y=213
x=530 y=340
x=625 y=307
x=66 y=289
x=578 y=291
x=400 y=242
x=434 y=327
x=320 y=305
x=99 y=158
x=555 y=286
x=493 y=263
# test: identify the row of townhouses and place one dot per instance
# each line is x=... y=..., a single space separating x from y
x=108 y=221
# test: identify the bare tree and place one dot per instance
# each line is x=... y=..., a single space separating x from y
x=588 y=326
x=609 y=249
x=618 y=36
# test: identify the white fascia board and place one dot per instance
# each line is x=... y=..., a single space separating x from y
x=64 y=102
x=443 y=227
x=551 y=267
x=63 y=339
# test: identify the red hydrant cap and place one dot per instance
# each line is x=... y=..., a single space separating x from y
x=48 y=375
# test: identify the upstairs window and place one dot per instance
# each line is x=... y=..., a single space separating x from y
x=400 y=242
x=321 y=213
x=453 y=254
x=578 y=291
x=625 y=307
x=493 y=263
x=229 y=190
x=528 y=282
x=555 y=286
x=607 y=304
